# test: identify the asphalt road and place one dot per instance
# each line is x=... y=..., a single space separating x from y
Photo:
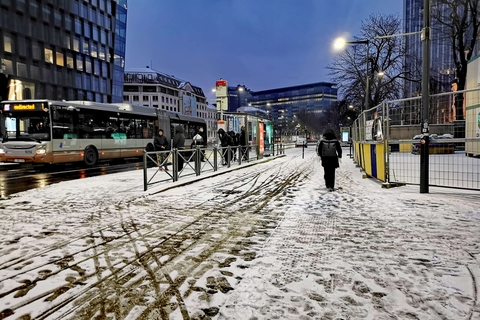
x=18 y=178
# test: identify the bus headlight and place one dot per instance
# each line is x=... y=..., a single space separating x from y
x=2 y=151
x=41 y=150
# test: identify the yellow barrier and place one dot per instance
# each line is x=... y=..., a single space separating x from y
x=371 y=158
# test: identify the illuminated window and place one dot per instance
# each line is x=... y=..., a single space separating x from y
x=101 y=52
x=88 y=64
x=8 y=43
x=59 y=59
x=76 y=44
x=86 y=47
x=79 y=62
x=93 y=50
x=48 y=55
x=69 y=60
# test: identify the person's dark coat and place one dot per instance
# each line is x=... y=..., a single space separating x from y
x=159 y=142
x=179 y=138
x=332 y=161
x=243 y=138
x=224 y=137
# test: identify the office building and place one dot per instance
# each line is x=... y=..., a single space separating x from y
x=283 y=104
x=152 y=88
x=442 y=67
x=63 y=49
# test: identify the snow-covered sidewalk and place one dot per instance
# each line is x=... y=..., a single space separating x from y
x=263 y=242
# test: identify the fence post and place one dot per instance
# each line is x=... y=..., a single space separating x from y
x=198 y=163
x=229 y=150
x=145 y=176
x=215 y=158
x=175 y=164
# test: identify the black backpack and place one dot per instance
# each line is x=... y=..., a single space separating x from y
x=329 y=148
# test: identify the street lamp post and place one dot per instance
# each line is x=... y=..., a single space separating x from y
x=339 y=44
x=424 y=149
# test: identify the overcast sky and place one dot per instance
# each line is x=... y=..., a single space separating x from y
x=262 y=44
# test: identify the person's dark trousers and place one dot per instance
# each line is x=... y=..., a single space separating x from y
x=329 y=177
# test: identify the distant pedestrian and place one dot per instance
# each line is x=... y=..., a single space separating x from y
x=161 y=144
x=243 y=143
x=330 y=151
x=225 y=141
x=235 y=143
x=179 y=143
x=201 y=142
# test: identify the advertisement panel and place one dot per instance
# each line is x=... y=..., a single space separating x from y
x=221 y=93
x=189 y=106
x=261 y=142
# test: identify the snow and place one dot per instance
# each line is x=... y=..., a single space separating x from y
x=266 y=241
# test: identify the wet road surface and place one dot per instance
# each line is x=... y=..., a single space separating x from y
x=18 y=178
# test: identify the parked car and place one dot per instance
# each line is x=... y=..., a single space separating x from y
x=435 y=146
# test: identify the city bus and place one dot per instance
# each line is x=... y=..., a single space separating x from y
x=50 y=132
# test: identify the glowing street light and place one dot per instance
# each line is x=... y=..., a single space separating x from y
x=339 y=44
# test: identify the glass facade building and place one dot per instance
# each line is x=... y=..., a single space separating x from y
x=63 y=49
x=283 y=104
x=442 y=67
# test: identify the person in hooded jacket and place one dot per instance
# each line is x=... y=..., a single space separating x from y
x=330 y=151
x=244 y=143
x=225 y=141
x=161 y=144
x=179 y=143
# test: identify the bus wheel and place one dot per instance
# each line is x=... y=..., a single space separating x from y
x=90 y=156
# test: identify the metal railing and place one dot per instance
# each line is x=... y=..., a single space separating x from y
x=183 y=163
x=393 y=128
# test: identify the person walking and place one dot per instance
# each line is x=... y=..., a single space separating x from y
x=225 y=141
x=243 y=141
x=161 y=144
x=179 y=143
x=204 y=142
x=330 y=152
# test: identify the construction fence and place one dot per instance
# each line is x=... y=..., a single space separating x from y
x=387 y=138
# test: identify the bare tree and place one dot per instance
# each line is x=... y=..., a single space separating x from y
x=385 y=56
x=459 y=20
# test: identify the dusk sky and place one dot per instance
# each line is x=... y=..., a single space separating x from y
x=263 y=44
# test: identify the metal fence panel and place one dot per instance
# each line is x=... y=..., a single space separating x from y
x=454 y=144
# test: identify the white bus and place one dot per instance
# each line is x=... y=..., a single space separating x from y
x=49 y=132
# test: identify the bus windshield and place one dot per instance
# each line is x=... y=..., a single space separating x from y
x=28 y=127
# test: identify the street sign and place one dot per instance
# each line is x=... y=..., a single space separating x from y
x=221 y=92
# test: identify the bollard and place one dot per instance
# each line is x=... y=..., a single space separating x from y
x=215 y=157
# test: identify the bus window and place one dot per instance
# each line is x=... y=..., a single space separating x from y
x=31 y=128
